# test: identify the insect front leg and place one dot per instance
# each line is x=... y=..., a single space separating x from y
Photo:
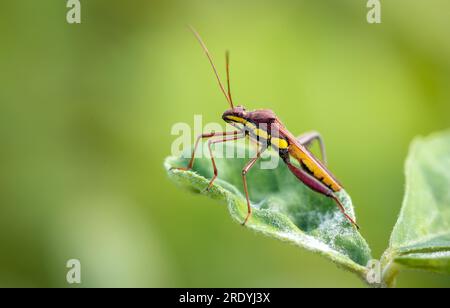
x=245 y=170
x=197 y=141
x=307 y=138
x=239 y=135
x=319 y=187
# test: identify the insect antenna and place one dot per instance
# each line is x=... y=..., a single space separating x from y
x=205 y=49
x=227 y=61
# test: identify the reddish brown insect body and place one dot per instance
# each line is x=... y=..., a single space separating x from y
x=264 y=127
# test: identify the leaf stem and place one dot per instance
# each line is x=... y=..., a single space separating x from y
x=390 y=269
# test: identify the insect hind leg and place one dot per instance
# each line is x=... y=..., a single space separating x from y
x=307 y=139
x=319 y=187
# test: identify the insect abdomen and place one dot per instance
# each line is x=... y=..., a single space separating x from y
x=314 y=168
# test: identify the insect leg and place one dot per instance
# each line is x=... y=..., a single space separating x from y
x=203 y=136
x=245 y=170
x=212 y=142
x=307 y=138
x=319 y=187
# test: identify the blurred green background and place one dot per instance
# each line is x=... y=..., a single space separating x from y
x=86 y=113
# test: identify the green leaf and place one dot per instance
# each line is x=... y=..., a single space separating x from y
x=283 y=207
x=421 y=237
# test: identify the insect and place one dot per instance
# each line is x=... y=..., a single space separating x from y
x=266 y=130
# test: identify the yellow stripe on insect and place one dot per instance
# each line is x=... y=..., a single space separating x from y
x=314 y=168
x=257 y=131
x=237 y=119
x=279 y=143
x=261 y=133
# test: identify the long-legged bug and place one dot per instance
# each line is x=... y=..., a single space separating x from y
x=264 y=127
